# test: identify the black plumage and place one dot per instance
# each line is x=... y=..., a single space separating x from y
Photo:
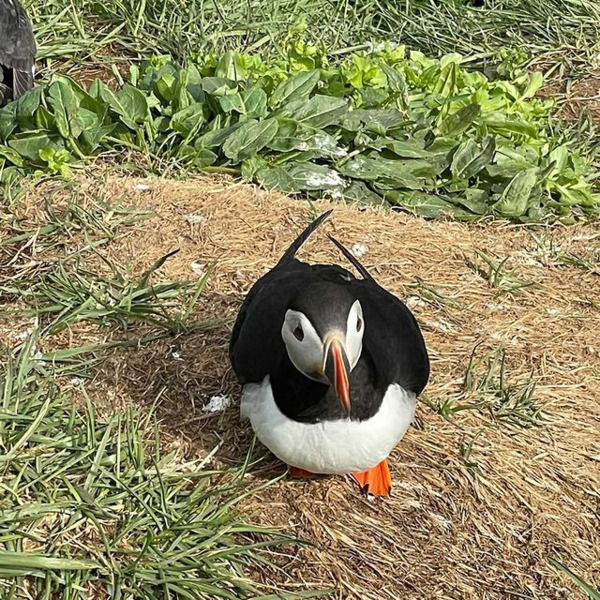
x=17 y=51
x=393 y=347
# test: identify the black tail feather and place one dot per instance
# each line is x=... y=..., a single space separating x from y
x=352 y=259
x=299 y=241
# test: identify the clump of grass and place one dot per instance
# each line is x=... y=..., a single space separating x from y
x=495 y=273
x=551 y=253
x=487 y=389
x=96 y=506
x=491 y=31
x=505 y=401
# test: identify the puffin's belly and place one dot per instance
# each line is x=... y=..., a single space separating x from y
x=341 y=446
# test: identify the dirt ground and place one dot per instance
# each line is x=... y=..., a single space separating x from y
x=479 y=503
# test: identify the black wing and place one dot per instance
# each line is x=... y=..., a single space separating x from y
x=392 y=337
x=17 y=46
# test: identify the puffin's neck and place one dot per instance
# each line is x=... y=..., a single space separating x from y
x=307 y=401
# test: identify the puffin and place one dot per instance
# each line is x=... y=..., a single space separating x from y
x=17 y=51
x=330 y=365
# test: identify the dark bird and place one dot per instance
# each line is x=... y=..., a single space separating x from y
x=17 y=51
x=331 y=366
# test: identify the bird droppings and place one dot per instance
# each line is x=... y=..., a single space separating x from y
x=198 y=268
x=414 y=301
x=359 y=250
x=194 y=219
x=329 y=179
x=142 y=187
x=176 y=356
x=217 y=403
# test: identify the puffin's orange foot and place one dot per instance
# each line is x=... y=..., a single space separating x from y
x=377 y=480
x=301 y=473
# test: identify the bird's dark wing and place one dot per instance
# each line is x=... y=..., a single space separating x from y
x=17 y=45
x=392 y=337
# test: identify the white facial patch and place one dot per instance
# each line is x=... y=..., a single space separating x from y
x=304 y=346
x=355 y=330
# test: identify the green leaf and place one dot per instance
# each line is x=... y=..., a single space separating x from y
x=189 y=119
x=276 y=178
x=8 y=120
x=12 y=155
x=460 y=121
x=515 y=199
x=217 y=86
x=425 y=205
x=446 y=83
x=217 y=137
x=128 y=103
x=402 y=173
x=251 y=137
x=395 y=79
x=320 y=111
x=295 y=88
x=358 y=192
x=389 y=118
x=469 y=159
x=536 y=81
x=66 y=108
x=28 y=145
x=254 y=101
x=230 y=67
x=406 y=149
x=503 y=124
x=26 y=106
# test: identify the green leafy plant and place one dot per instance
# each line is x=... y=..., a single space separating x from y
x=379 y=127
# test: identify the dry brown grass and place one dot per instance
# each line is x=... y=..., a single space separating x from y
x=478 y=506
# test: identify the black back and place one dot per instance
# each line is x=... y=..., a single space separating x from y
x=393 y=346
x=17 y=51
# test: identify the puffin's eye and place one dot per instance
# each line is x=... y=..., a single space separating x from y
x=359 y=324
x=298 y=333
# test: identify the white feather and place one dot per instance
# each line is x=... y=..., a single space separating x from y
x=332 y=447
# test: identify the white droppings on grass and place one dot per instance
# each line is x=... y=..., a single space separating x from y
x=142 y=186
x=198 y=268
x=218 y=403
x=359 y=250
x=331 y=178
x=193 y=219
x=176 y=356
x=414 y=301
x=443 y=325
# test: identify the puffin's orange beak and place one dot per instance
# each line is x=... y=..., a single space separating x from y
x=336 y=369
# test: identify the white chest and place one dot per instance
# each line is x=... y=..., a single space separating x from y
x=334 y=447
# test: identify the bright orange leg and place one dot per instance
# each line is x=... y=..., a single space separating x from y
x=301 y=473
x=376 y=480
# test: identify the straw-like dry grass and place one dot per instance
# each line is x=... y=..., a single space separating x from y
x=502 y=468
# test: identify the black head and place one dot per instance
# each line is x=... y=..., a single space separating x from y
x=323 y=331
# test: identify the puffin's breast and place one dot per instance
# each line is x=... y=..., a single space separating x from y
x=331 y=446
